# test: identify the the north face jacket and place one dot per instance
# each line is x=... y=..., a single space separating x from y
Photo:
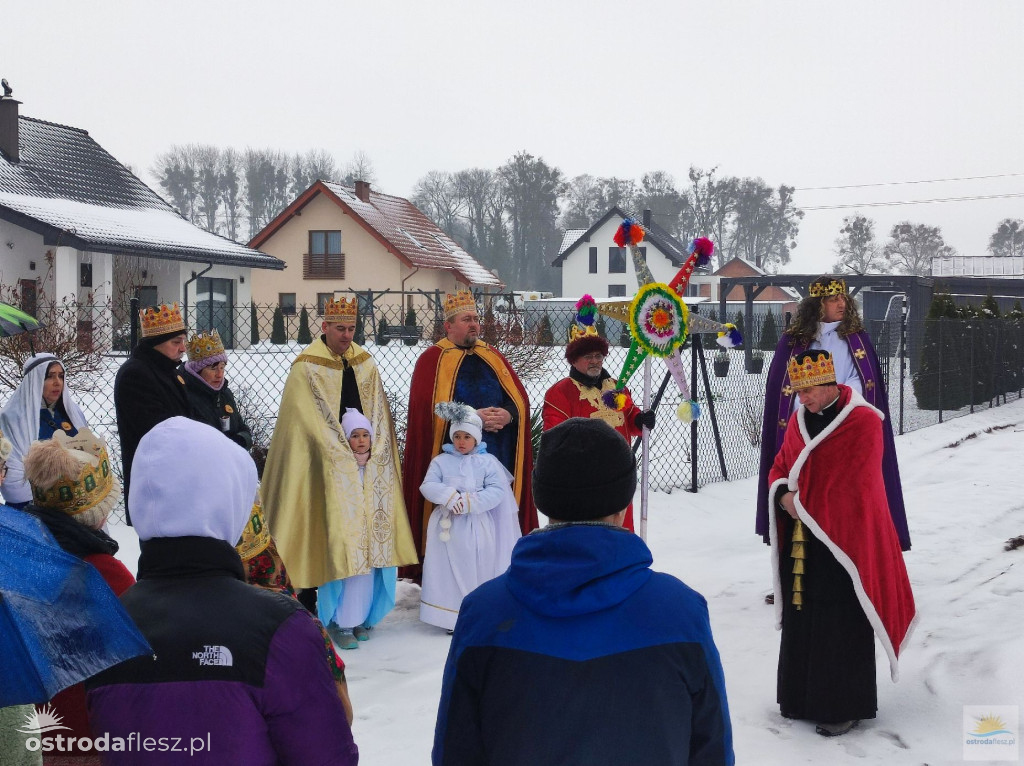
x=580 y=654
x=238 y=673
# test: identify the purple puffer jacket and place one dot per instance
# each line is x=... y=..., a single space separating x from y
x=238 y=675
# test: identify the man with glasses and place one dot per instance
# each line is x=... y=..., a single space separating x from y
x=581 y=395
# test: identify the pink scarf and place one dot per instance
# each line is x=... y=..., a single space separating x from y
x=362 y=458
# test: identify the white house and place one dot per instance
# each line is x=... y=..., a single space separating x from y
x=592 y=263
x=75 y=224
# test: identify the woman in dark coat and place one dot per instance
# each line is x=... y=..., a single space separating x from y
x=208 y=394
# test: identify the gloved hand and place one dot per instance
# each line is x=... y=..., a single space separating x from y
x=456 y=504
x=645 y=418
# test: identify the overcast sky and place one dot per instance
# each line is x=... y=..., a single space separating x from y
x=810 y=94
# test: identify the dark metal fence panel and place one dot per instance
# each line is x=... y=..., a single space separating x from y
x=949 y=368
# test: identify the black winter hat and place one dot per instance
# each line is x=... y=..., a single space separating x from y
x=584 y=470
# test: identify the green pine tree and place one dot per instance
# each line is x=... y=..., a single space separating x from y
x=941 y=381
x=254 y=324
x=277 y=335
x=769 y=333
x=544 y=334
x=305 y=337
x=410 y=321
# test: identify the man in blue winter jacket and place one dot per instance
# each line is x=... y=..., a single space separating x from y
x=579 y=653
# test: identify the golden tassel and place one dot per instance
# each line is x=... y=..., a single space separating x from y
x=798 y=556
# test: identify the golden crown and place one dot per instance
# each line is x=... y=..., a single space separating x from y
x=813 y=370
x=577 y=331
x=160 y=320
x=255 y=536
x=77 y=494
x=835 y=287
x=204 y=345
x=341 y=310
x=459 y=303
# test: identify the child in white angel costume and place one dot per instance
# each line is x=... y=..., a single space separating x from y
x=475 y=521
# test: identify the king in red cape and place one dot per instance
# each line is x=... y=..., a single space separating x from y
x=460 y=367
x=840 y=579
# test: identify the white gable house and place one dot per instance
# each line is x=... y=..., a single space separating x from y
x=592 y=263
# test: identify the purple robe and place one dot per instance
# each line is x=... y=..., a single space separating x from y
x=778 y=406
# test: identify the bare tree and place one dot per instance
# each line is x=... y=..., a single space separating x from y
x=230 y=179
x=712 y=204
x=437 y=195
x=178 y=177
x=208 y=188
x=857 y=251
x=360 y=168
x=911 y=247
x=62 y=334
x=581 y=202
x=1008 y=238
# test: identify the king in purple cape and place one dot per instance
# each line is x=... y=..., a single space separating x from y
x=828 y=319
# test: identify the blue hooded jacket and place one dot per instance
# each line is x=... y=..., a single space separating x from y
x=580 y=654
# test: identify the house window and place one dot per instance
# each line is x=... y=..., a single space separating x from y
x=29 y=297
x=321 y=302
x=616 y=260
x=85 y=275
x=287 y=302
x=616 y=291
x=147 y=295
x=324 y=259
x=593 y=260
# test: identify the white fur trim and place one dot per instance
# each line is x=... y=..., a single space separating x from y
x=793 y=485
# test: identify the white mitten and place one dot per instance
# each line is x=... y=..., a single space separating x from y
x=456 y=504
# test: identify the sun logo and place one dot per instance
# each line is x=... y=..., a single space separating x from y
x=42 y=721
x=989 y=725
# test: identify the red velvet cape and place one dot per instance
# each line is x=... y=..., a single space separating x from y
x=433 y=380
x=840 y=497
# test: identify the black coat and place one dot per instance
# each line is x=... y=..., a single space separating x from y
x=148 y=390
x=209 y=406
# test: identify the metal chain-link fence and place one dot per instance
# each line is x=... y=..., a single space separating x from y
x=949 y=368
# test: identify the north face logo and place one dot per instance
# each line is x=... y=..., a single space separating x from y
x=214 y=655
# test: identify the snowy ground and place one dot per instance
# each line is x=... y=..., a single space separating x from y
x=963 y=483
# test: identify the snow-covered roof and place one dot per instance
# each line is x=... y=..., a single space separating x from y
x=399 y=225
x=669 y=246
x=142 y=231
x=569 y=239
x=68 y=188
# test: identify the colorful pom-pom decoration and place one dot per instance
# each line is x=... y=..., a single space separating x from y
x=703 y=248
x=616 y=400
x=658 y=319
x=688 y=411
x=730 y=338
x=629 y=233
x=586 y=310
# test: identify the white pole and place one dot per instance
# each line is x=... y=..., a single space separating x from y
x=644 y=439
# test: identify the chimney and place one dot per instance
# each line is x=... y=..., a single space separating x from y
x=9 y=129
x=363 y=190
x=647 y=218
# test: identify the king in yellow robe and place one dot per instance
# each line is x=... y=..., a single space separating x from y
x=329 y=526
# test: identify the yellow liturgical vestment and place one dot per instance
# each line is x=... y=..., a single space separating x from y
x=325 y=527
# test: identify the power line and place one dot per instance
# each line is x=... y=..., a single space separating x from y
x=902 y=183
x=914 y=202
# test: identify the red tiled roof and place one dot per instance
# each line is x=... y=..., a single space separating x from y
x=399 y=226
